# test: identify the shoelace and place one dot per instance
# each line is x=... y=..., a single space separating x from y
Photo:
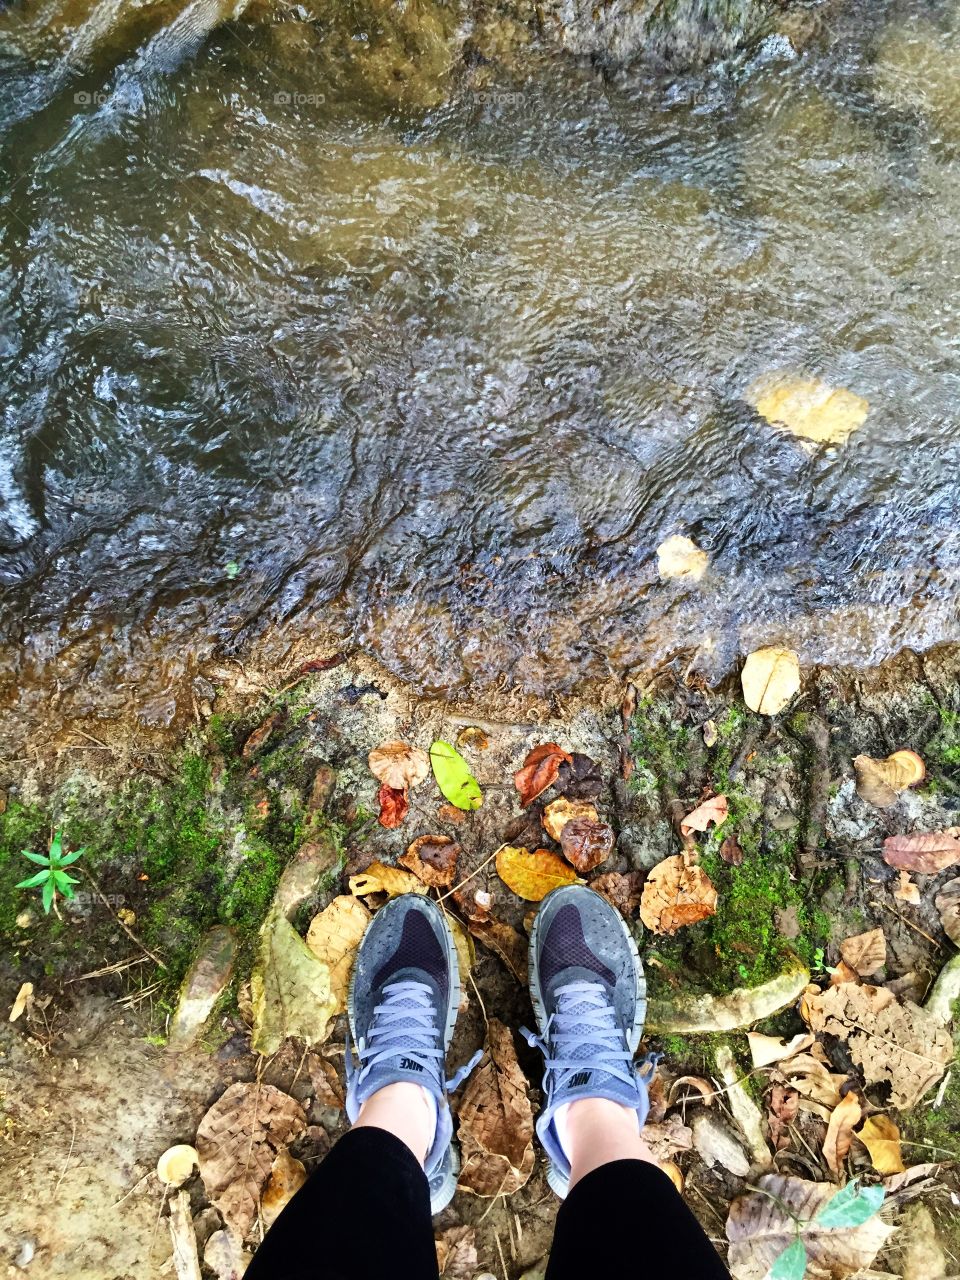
x=594 y=1027
x=404 y=1026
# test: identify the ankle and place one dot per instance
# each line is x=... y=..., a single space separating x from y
x=597 y=1131
x=406 y=1110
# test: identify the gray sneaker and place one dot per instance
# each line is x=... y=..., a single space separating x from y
x=404 y=996
x=589 y=997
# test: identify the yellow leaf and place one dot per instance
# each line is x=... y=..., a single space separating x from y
x=380 y=879
x=533 y=875
x=881 y=1137
x=678 y=892
x=879 y=782
x=808 y=407
x=558 y=813
x=680 y=557
x=334 y=936
x=770 y=678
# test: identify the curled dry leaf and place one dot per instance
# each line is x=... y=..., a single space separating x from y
x=765 y=1050
x=839 y=1137
x=713 y=810
x=678 y=892
x=947 y=903
x=906 y=890
x=533 y=875
x=782 y=1109
x=668 y=1138
x=472 y=738
x=287 y=1176
x=224 y=1256
x=879 y=782
x=237 y=1142
x=762 y=1225
x=457 y=1253
x=580 y=779
x=770 y=678
x=394 y=806
x=382 y=879
x=504 y=942
x=23 y=1003
x=807 y=407
x=622 y=889
x=177 y=1164
x=539 y=771
x=333 y=937
x=327 y=1088
x=865 y=953
x=928 y=853
x=432 y=859
x=586 y=843
x=881 y=1137
x=843 y=973
x=731 y=852
x=496 y=1121
x=399 y=766
x=680 y=557
x=703 y=1087
x=559 y=812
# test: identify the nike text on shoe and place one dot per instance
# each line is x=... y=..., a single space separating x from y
x=589 y=997
x=404 y=996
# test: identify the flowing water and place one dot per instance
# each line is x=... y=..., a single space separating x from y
x=279 y=359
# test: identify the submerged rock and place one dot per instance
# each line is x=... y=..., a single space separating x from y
x=203 y=986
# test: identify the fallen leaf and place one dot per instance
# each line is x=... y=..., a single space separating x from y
x=668 y=1138
x=475 y=904
x=539 y=771
x=496 y=1121
x=881 y=1137
x=472 y=737
x=677 y=892
x=782 y=1110
x=808 y=407
x=580 y=778
x=287 y=1176
x=177 y=1165
x=322 y=664
x=399 y=766
x=457 y=1253
x=237 y=1142
x=908 y=891
x=394 y=806
x=947 y=903
x=327 y=1088
x=622 y=889
x=916 y=1174
x=505 y=943
x=731 y=852
x=839 y=1136
x=382 y=879
x=586 y=843
x=454 y=779
x=765 y=1050
x=224 y=1256
x=450 y=813
x=559 y=812
x=713 y=810
x=673 y=1172
x=23 y=1002
x=432 y=859
x=680 y=557
x=892 y=1042
x=843 y=973
x=762 y=1225
x=333 y=937
x=879 y=782
x=260 y=735
x=928 y=853
x=866 y=953
x=533 y=875
x=290 y=988
x=466 y=954
x=770 y=678
x=703 y=1087
x=710 y=735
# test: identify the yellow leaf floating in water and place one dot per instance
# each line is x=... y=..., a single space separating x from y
x=807 y=407
x=533 y=875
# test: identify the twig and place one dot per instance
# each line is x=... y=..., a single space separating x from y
x=909 y=923
x=129 y=932
x=111 y=968
x=503 y=1264
x=91 y=738
x=63 y=1171
x=468 y=878
x=483 y=1007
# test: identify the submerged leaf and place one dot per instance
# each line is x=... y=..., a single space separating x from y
x=533 y=875
x=808 y=407
x=454 y=779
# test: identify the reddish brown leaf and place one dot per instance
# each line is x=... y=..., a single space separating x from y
x=261 y=734
x=839 y=1138
x=621 y=889
x=731 y=852
x=927 y=852
x=394 y=806
x=586 y=843
x=433 y=859
x=782 y=1112
x=450 y=813
x=496 y=1121
x=539 y=771
x=322 y=664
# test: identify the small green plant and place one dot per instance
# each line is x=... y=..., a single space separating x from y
x=850 y=1207
x=52 y=878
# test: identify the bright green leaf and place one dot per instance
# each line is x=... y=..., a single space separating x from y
x=454 y=779
x=32 y=883
x=851 y=1206
x=48 y=891
x=71 y=857
x=791 y=1264
x=63 y=882
x=40 y=858
x=56 y=845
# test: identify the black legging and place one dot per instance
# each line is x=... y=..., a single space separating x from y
x=364 y=1214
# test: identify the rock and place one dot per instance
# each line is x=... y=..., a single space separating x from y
x=946 y=990
x=745 y=1111
x=25 y=1254
x=678 y=1014
x=302 y=874
x=716 y=1144
x=206 y=980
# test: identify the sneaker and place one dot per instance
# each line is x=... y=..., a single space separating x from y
x=589 y=997
x=404 y=997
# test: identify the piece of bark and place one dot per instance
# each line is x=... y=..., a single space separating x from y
x=186 y=1260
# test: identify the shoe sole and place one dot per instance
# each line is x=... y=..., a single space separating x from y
x=556 y=1179
x=442 y=1195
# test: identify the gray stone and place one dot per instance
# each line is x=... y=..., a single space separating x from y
x=303 y=873
x=716 y=1144
x=205 y=982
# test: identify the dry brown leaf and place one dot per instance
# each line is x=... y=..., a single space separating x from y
x=622 y=889
x=680 y=557
x=504 y=942
x=839 y=1137
x=450 y=813
x=432 y=859
x=765 y=1050
x=879 y=782
x=327 y=1088
x=394 y=807
x=23 y=1003
x=911 y=1176
x=807 y=407
x=782 y=1110
x=586 y=843
x=881 y=1137
x=731 y=852
x=457 y=1253
x=539 y=771
x=678 y=892
x=399 y=766
x=947 y=903
x=760 y=1228
x=382 y=879
x=533 y=875
x=466 y=954
x=237 y=1142
x=770 y=678
x=557 y=814
x=703 y=1087
x=892 y=1042
x=865 y=953
x=713 y=810
x=907 y=890
x=496 y=1121
x=812 y=1080
x=473 y=738
x=668 y=1138
x=843 y=973
x=581 y=779
x=928 y=852
x=334 y=936
x=287 y=1176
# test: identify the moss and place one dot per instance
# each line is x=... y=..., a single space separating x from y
x=659 y=747
x=21 y=827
